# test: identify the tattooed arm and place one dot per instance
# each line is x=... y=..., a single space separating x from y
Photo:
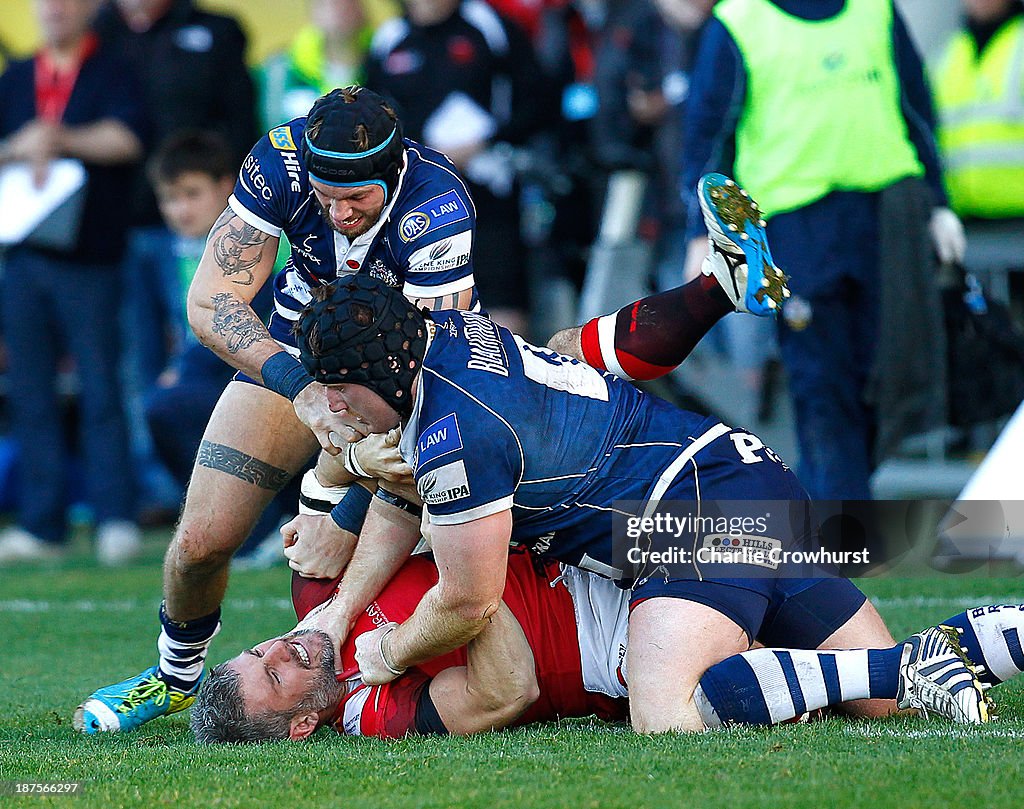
x=237 y=261
x=456 y=300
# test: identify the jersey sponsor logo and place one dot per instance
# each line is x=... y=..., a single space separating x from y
x=251 y=168
x=306 y=249
x=447 y=254
x=444 y=209
x=543 y=544
x=382 y=272
x=444 y=484
x=439 y=439
x=486 y=351
x=413 y=225
x=293 y=167
x=744 y=549
x=281 y=139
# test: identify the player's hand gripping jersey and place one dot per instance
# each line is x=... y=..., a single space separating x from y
x=502 y=424
x=422 y=242
x=578 y=672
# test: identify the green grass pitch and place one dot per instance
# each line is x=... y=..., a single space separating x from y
x=69 y=629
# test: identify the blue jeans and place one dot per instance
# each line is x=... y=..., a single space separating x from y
x=152 y=308
x=47 y=304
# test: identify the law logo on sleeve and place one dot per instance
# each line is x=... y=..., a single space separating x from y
x=281 y=139
x=444 y=209
x=445 y=484
x=439 y=439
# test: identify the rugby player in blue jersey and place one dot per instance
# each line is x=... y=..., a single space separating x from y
x=512 y=442
x=353 y=198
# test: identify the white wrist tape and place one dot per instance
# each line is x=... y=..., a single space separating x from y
x=315 y=498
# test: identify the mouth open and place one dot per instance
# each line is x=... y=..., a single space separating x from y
x=301 y=653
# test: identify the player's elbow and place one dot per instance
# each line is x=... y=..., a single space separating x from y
x=473 y=609
x=505 y=707
x=195 y=311
x=469 y=602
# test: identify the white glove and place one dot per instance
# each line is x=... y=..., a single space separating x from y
x=948 y=235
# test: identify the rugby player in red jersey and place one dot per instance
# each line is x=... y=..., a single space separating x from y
x=528 y=666
x=555 y=649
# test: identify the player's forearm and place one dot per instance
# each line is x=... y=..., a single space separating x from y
x=226 y=324
x=237 y=261
x=496 y=686
x=501 y=674
x=386 y=541
x=107 y=143
x=440 y=624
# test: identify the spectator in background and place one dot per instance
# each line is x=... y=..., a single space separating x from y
x=466 y=82
x=327 y=53
x=979 y=93
x=74 y=98
x=817 y=106
x=193 y=173
x=191 y=65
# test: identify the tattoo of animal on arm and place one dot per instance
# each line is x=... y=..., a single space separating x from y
x=236 y=323
x=244 y=467
x=237 y=247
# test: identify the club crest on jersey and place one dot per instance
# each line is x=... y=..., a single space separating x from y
x=281 y=139
x=383 y=273
x=444 y=209
x=439 y=439
x=444 y=484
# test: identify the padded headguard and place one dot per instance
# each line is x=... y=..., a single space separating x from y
x=353 y=138
x=361 y=331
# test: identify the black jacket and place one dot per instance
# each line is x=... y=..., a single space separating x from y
x=191 y=65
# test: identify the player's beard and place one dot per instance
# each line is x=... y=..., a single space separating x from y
x=326 y=689
x=351 y=235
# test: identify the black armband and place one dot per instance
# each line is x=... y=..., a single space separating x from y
x=428 y=720
x=399 y=502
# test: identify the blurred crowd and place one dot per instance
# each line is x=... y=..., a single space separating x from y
x=581 y=127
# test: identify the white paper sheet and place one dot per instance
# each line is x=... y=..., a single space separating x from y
x=23 y=207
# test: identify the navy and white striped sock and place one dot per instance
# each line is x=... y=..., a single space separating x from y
x=992 y=637
x=768 y=686
x=183 y=647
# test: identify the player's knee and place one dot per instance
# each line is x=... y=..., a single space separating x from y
x=195 y=551
x=678 y=720
x=567 y=341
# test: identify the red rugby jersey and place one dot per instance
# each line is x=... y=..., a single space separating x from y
x=540 y=603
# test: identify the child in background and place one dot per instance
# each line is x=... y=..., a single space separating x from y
x=192 y=174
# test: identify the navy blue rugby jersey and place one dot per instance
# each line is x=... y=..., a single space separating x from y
x=500 y=424
x=422 y=243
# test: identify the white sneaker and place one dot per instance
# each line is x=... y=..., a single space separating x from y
x=117 y=542
x=936 y=677
x=18 y=545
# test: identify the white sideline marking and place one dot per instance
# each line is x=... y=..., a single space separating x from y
x=30 y=605
x=253 y=604
x=943 y=601
x=967 y=732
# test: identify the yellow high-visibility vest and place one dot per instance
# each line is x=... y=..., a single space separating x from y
x=822 y=111
x=980 y=103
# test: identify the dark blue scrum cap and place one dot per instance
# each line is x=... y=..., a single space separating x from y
x=361 y=331
x=353 y=138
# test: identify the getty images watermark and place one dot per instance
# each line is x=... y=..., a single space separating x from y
x=805 y=539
